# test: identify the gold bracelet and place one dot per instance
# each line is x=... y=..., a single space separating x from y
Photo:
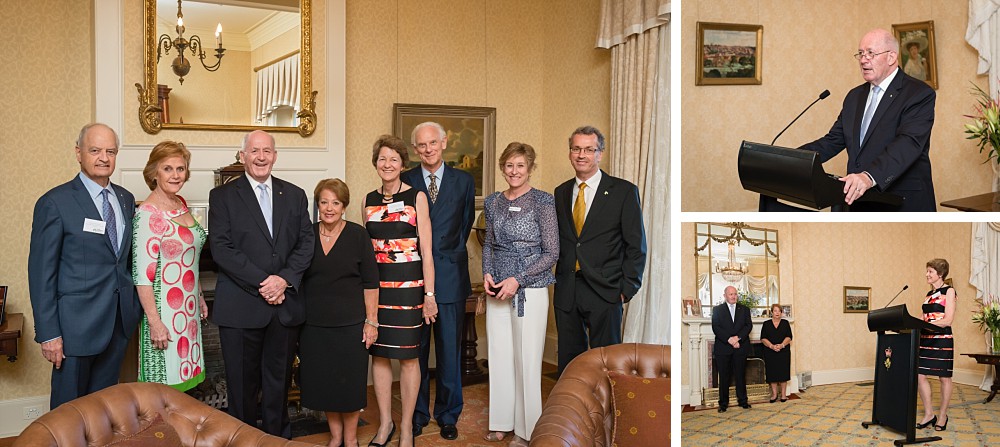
x=371 y=323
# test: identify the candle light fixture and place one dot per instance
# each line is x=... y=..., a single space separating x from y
x=182 y=65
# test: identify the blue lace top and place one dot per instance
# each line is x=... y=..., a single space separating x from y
x=522 y=240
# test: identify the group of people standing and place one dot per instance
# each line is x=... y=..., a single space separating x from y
x=333 y=291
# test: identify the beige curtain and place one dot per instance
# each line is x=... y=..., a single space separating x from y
x=277 y=85
x=985 y=273
x=638 y=34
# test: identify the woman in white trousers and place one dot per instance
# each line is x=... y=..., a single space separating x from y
x=522 y=245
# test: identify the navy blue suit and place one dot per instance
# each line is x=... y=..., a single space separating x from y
x=731 y=362
x=896 y=150
x=81 y=290
x=451 y=221
x=259 y=339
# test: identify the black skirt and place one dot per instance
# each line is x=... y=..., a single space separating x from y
x=333 y=367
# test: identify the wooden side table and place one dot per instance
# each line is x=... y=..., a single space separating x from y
x=10 y=333
x=990 y=359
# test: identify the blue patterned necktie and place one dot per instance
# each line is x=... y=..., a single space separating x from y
x=869 y=112
x=110 y=222
x=265 y=206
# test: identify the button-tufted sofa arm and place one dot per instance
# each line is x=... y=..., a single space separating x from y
x=578 y=411
x=118 y=412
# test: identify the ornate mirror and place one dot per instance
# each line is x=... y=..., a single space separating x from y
x=738 y=255
x=254 y=74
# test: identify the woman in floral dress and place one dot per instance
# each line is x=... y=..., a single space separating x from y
x=167 y=243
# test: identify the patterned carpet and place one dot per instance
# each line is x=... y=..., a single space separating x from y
x=831 y=415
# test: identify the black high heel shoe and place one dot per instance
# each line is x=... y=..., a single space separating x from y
x=774 y=399
x=387 y=439
x=928 y=423
x=942 y=427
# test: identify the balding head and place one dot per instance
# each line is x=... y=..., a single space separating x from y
x=731 y=295
x=881 y=55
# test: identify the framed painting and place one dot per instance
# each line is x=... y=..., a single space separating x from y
x=857 y=299
x=728 y=54
x=917 y=55
x=3 y=303
x=199 y=211
x=471 y=133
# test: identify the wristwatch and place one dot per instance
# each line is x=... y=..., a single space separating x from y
x=430 y=294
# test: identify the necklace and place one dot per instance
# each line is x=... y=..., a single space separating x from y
x=388 y=198
x=339 y=229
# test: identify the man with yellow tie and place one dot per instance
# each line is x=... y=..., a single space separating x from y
x=602 y=250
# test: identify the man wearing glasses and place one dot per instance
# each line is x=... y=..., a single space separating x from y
x=602 y=250
x=885 y=125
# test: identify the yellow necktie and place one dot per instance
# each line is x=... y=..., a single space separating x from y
x=579 y=213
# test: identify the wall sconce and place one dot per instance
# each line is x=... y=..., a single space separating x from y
x=181 y=65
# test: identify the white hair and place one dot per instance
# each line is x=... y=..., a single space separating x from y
x=246 y=139
x=86 y=128
x=440 y=129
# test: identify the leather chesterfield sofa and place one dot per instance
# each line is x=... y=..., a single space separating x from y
x=579 y=410
x=114 y=414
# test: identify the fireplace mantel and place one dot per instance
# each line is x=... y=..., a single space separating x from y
x=698 y=355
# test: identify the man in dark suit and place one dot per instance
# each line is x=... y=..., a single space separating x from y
x=732 y=325
x=82 y=295
x=262 y=241
x=452 y=196
x=885 y=125
x=602 y=250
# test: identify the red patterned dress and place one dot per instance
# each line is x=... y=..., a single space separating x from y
x=165 y=256
x=392 y=226
x=937 y=351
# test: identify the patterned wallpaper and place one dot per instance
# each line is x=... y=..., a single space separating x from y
x=798 y=63
x=819 y=259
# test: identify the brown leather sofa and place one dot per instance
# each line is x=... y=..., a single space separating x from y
x=578 y=411
x=118 y=412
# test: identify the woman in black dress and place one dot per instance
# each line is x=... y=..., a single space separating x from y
x=777 y=337
x=341 y=291
x=937 y=351
x=399 y=225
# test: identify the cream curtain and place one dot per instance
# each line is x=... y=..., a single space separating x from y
x=983 y=34
x=638 y=34
x=277 y=85
x=985 y=272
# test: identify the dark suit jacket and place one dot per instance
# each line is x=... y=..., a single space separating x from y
x=247 y=254
x=896 y=147
x=724 y=327
x=451 y=221
x=76 y=281
x=611 y=248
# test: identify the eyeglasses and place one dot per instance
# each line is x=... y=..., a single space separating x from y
x=585 y=150
x=868 y=54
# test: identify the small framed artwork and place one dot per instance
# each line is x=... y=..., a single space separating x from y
x=3 y=304
x=917 y=55
x=857 y=299
x=728 y=54
x=690 y=308
x=786 y=311
x=471 y=133
x=199 y=211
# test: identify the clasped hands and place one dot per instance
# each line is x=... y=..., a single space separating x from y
x=855 y=186
x=734 y=341
x=272 y=289
x=508 y=287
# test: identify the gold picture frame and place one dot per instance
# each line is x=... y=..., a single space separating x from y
x=918 y=36
x=857 y=299
x=729 y=54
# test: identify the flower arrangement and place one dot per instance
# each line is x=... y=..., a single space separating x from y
x=985 y=126
x=988 y=318
x=748 y=299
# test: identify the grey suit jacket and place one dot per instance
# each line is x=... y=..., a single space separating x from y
x=76 y=281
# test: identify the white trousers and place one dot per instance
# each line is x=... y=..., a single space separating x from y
x=515 y=361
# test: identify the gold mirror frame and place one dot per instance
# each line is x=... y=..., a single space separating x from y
x=149 y=108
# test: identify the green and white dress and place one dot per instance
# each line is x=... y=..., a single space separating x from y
x=165 y=256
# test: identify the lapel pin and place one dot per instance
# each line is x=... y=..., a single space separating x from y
x=605 y=193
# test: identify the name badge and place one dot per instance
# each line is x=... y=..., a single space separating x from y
x=396 y=207
x=514 y=208
x=94 y=226
x=936 y=294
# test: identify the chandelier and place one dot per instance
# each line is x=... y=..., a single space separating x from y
x=733 y=270
x=182 y=65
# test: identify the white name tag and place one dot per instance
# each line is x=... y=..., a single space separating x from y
x=936 y=294
x=514 y=208
x=94 y=226
x=396 y=207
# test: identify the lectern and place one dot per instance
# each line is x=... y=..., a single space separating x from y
x=795 y=175
x=894 y=400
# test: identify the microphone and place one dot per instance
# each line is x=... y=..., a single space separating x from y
x=897 y=296
x=821 y=96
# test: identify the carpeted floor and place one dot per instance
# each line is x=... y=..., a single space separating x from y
x=831 y=415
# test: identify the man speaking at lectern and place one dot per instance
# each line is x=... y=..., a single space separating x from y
x=885 y=125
